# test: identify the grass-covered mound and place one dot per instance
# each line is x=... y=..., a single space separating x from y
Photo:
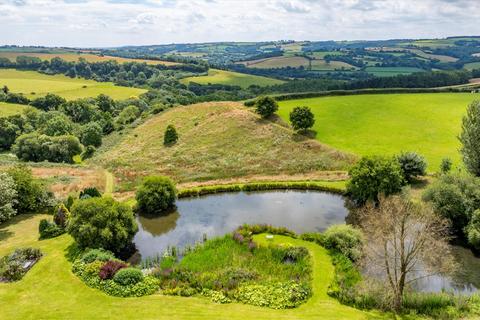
x=388 y=124
x=234 y=268
x=216 y=141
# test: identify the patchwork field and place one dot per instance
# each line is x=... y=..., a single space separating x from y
x=472 y=65
x=391 y=71
x=389 y=123
x=218 y=140
x=73 y=57
x=277 y=62
x=34 y=84
x=232 y=78
x=10 y=109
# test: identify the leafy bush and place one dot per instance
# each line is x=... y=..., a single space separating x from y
x=49 y=230
x=155 y=195
x=473 y=230
x=110 y=268
x=373 y=176
x=97 y=255
x=446 y=165
x=88 y=152
x=128 y=115
x=345 y=239
x=279 y=295
x=266 y=106
x=8 y=197
x=102 y=223
x=128 y=276
x=412 y=165
x=470 y=138
x=345 y=278
x=90 y=192
x=302 y=118
x=60 y=216
x=30 y=192
x=294 y=254
x=170 y=136
x=91 y=134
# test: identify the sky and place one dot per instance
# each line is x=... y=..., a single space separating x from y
x=109 y=23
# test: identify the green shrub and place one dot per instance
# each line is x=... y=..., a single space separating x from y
x=155 y=195
x=373 y=176
x=470 y=138
x=49 y=230
x=8 y=197
x=60 y=216
x=266 y=106
x=446 y=165
x=171 y=136
x=88 y=152
x=128 y=276
x=97 y=255
x=30 y=192
x=102 y=223
x=91 y=134
x=345 y=239
x=14 y=266
x=278 y=295
x=90 y=192
x=412 y=164
x=345 y=278
x=473 y=230
x=301 y=118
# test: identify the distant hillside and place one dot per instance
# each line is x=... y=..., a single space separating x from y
x=217 y=141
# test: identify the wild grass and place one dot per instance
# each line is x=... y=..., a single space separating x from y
x=34 y=84
x=387 y=124
x=10 y=109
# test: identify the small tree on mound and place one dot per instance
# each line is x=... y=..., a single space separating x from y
x=373 y=176
x=155 y=195
x=266 y=106
x=302 y=118
x=470 y=139
x=171 y=136
x=412 y=165
x=102 y=223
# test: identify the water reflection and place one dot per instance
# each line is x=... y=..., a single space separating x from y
x=215 y=215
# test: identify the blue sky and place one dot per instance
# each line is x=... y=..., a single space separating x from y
x=103 y=23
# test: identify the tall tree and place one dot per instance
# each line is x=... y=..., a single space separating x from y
x=470 y=138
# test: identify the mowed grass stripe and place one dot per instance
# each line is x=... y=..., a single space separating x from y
x=34 y=84
x=389 y=123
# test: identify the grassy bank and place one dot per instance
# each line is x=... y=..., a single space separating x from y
x=231 y=78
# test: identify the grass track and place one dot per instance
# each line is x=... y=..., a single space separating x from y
x=389 y=123
x=232 y=78
x=10 y=109
x=28 y=82
x=51 y=291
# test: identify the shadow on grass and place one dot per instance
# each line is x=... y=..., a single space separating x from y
x=72 y=252
x=304 y=135
x=5 y=234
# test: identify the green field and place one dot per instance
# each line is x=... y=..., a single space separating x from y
x=391 y=71
x=277 y=62
x=34 y=84
x=51 y=291
x=472 y=65
x=389 y=123
x=10 y=109
x=232 y=78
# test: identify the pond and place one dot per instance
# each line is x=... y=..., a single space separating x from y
x=299 y=211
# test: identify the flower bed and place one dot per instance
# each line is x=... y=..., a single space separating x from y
x=14 y=266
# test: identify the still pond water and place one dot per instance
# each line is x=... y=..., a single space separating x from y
x=300 y=211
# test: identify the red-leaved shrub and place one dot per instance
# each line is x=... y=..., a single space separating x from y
x=108 y=270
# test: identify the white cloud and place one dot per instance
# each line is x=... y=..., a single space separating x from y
x=122 y=22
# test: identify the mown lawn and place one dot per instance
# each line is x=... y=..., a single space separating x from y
x=389 y=123
x=34 y=84
x=232 y=79
x=10 y=109
x=50 y=290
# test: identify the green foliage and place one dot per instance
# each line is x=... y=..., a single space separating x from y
x=88 y=152
x=171 y=136
x=302 y=118
x=90 y=192
x=49 y=229
x=373 y=176
x=455 y=197
x=345 y=239
x=412 y=164
x=30 y=192
x=35 y=147
x=61 y=215
x=346 y=277
x=278 y=295
x=105 y=103
x=15 y=265
x=49 y=102
x=266 y=106
x=8 y=197
x=470 y=138
x=446 y=165
x=91 y=134
x=102 y=223
x=8 y=133
x=155 y=195
x=57 y=124
x=128 y=276
x=128 y=115
x=97 y=255
x=473 y=230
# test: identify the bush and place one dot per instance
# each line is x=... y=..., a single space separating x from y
x=30 y=192
x=60 y=216
x=91 y=134
x=97 y=255
x=8 y=197
x=49 y=230
x=171 y=136
x=345 y=239
x=110 y=268
x=90 y=192
x=128 y=276
x=412 y=165
x=49 y=102
x=8 y=133
x=35 y=147
x=372 y=176
x=155 y=195
x=446 y=165
x=14 y=266
x=302 y=118
x=473 y=230
x=470 y=138
x=266 y=106
x=102 y=223
x=128 y=115
x=88 y=152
